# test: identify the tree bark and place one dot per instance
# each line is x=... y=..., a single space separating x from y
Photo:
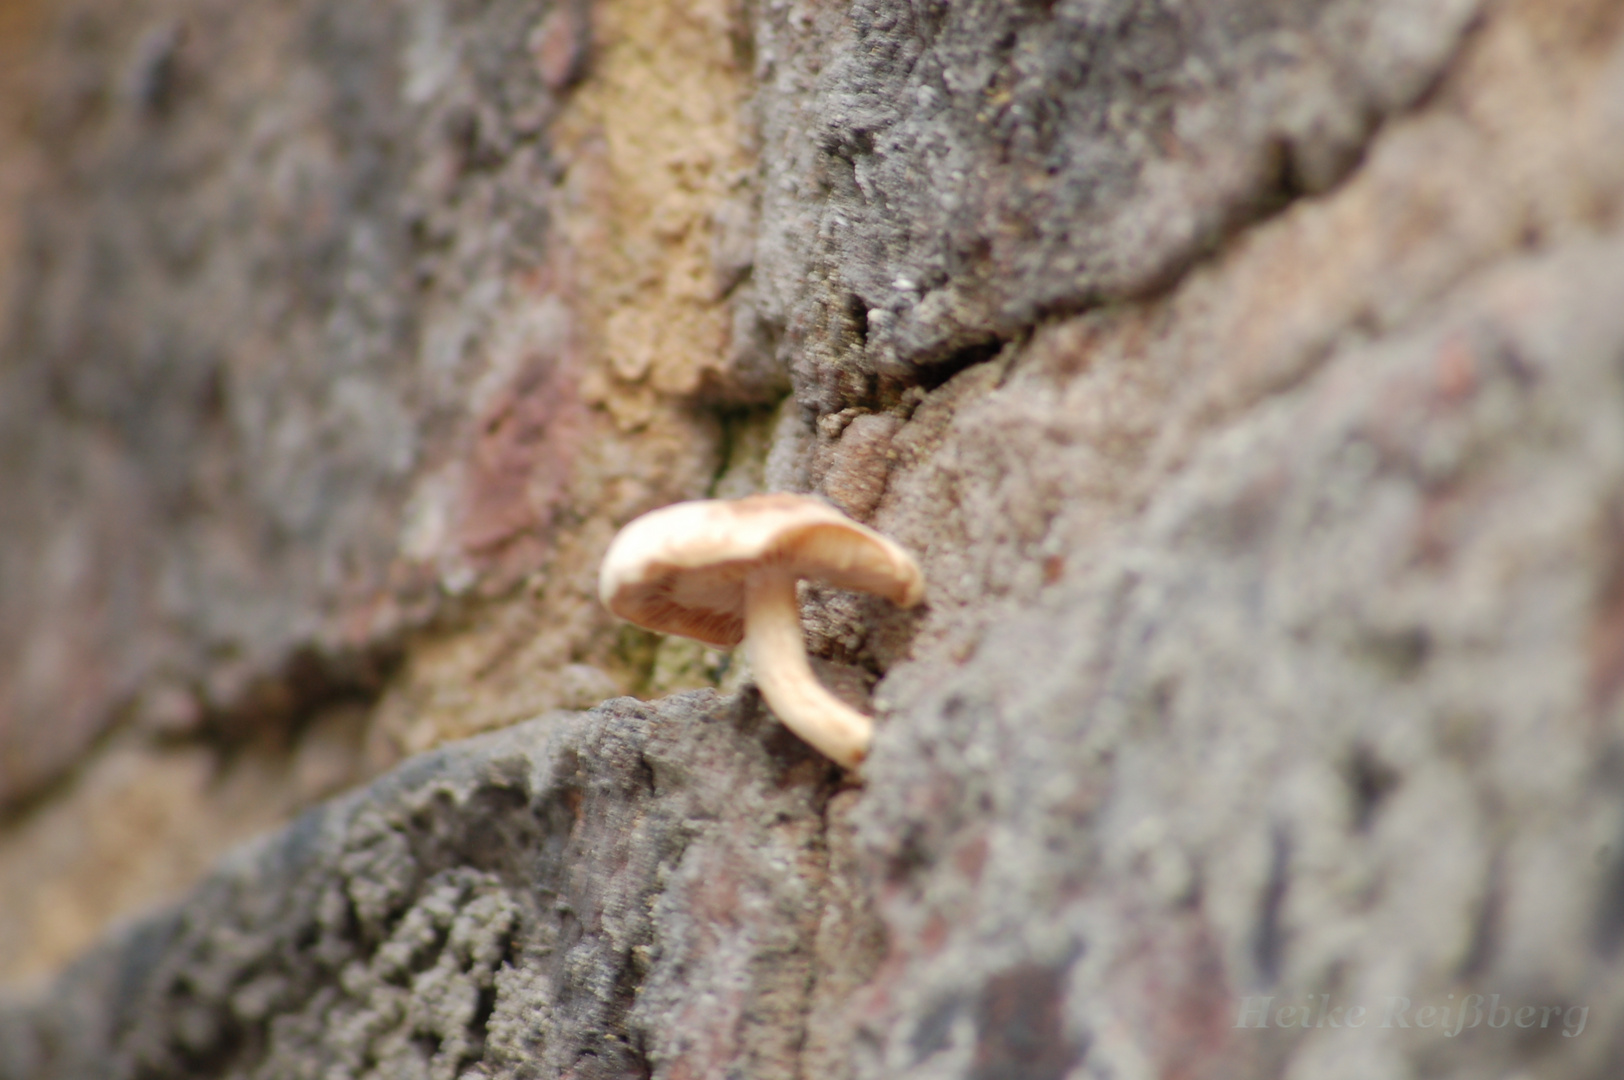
x=1245 y=376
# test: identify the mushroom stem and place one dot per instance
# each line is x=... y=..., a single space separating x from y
x=777 y=653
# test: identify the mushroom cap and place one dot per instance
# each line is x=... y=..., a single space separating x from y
x=682 y=569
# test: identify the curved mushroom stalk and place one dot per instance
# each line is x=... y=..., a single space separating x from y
x=777 y=652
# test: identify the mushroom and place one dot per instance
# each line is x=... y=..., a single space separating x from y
x=722 y=571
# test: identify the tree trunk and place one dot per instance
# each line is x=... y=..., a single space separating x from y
x=1245 y=376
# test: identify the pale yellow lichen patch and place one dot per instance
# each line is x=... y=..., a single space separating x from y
x=657 y=149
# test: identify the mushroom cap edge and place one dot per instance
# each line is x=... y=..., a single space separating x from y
x=681 y=569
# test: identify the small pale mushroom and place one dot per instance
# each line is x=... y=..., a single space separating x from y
x=724 y=571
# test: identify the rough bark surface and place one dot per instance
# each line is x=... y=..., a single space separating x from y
x=943 y=175
x=591 y=896
x=1249 y=378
